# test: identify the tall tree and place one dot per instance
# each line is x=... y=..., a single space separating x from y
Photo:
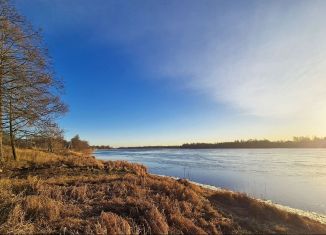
x=29 y=92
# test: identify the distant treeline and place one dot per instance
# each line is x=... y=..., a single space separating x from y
x=101 y=147
x=55 y=144
x=152 y=147
x=297 y=142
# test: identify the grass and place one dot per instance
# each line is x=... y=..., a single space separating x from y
x=74 y=193
x=29 y=158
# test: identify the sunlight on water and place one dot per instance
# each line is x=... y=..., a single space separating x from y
x=292 y=177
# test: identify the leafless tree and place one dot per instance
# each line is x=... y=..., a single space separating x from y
x=29 y=91
x=79 y=145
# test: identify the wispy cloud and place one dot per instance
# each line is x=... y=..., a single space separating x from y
x=261 y=58
x=267 y=61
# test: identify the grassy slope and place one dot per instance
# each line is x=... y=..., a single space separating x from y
x=46 y=193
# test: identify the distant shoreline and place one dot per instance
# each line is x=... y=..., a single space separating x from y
x=297 y=142
x=166 y=147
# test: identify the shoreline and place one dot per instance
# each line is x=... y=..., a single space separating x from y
x=321 y=218
x=75 y=193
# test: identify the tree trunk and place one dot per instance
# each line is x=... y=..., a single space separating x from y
x=50 y=147
x=12 y=135
x=1 y=127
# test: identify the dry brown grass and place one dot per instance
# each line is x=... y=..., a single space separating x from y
x=78 y=194
x=263 y=216
x=29 y=158
x=111 y=223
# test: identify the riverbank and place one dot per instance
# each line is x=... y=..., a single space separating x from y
x=280 y=175
x=48 y=193
x=309 y=214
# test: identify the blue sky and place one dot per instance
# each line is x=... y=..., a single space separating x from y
x=169 y=72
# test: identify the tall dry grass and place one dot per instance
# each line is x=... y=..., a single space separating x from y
x=77 y=194
x=27 y=158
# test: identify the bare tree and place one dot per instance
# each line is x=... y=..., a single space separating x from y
x=50 y=137
x=79 y=145
x=29 y=92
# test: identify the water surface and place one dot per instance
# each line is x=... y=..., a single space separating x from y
x=292 y=177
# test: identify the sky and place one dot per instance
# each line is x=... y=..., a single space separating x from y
x=170 y=72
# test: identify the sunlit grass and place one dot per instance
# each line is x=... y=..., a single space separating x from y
x=75 y=193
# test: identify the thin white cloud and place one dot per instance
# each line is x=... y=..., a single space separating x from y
x=263 y=58
x=264 y=67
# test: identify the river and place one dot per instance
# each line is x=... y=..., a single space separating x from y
x=291 y=177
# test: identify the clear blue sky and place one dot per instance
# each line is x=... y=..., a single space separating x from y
x=169 y=72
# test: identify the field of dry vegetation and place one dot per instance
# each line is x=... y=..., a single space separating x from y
x=77 y=194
